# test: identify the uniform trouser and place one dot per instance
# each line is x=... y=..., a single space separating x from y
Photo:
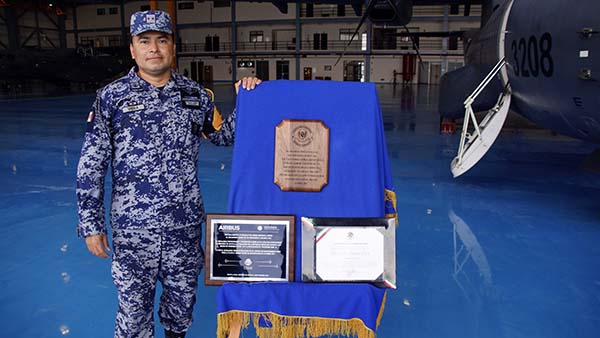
x=140 y=258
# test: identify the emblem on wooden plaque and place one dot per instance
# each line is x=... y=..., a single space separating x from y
x=301 y=155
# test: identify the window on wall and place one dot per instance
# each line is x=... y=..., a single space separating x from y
x=384 y=38
x=100 y=11
x=113 y=10
x=310 y=8
x=256 y=36
x=86 y=41
x=320 y=41
x=114 y=40
x=453 y=43
x=346 y=34
x=211 y=43
x=454 y=9
x=221 y=3
x=185 y=5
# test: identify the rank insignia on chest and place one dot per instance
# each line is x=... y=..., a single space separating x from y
x=136 y=107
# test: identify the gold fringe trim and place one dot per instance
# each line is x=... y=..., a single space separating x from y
x=231 y=319
x=381 y=309
x=293 y=327
x=390 y=195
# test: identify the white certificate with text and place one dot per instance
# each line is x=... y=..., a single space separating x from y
x=349 y=253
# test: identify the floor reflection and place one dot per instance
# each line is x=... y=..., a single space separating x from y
x=467 y=250
x=508 y=250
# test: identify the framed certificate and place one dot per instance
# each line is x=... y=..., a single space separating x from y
x=249 y=248
x=349 y=250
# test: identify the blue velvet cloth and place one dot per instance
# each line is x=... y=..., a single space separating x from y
x=358 y=176
x=335 y=300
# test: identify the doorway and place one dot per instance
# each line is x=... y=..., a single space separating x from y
x=207 y=76
x=307 y=73
x=435 y=74
x=262 y=70
x=354 y=71
x=283 y=70
x=197 y=73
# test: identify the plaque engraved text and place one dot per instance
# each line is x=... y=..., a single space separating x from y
x=301 y=155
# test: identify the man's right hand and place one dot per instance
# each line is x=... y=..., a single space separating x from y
x=98 y=245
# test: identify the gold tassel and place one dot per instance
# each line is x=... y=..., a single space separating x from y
x=294 y=327
x=231 y=319
x=390 y=195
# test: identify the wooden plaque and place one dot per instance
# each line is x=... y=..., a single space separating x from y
x=301 y=155
x=249 y=248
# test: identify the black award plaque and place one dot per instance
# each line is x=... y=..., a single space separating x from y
x=249 y=248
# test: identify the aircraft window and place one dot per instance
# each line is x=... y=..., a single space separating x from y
x=113 y=10
x=100 y=11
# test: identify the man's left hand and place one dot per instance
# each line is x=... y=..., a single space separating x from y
x=247 y=83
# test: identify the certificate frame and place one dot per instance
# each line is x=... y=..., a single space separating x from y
x=249 y=248
x=349 y=250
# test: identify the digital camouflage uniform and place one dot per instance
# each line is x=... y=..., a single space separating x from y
x=151 y=138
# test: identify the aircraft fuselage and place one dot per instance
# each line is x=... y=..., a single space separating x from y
x=553 y=53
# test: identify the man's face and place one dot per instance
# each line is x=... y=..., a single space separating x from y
x=153 y=52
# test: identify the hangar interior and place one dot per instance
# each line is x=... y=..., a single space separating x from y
x=509 y=249
x=219 y=41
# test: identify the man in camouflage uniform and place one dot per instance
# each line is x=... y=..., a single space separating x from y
x=148 y=125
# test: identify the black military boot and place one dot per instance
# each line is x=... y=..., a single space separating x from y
x=171 y=334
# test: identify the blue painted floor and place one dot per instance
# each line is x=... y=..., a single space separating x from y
x=509 y=250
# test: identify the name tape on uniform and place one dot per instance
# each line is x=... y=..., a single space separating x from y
x=129 y=109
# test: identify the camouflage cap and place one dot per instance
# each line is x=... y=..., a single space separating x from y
x=157 y=21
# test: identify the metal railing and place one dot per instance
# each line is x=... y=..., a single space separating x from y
x=424 y=44
x=325 y=11
x=203 y=47
x=439 y=11
x=266 y=45
x=331 y=10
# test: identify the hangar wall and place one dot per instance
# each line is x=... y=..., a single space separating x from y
x=219 y=41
